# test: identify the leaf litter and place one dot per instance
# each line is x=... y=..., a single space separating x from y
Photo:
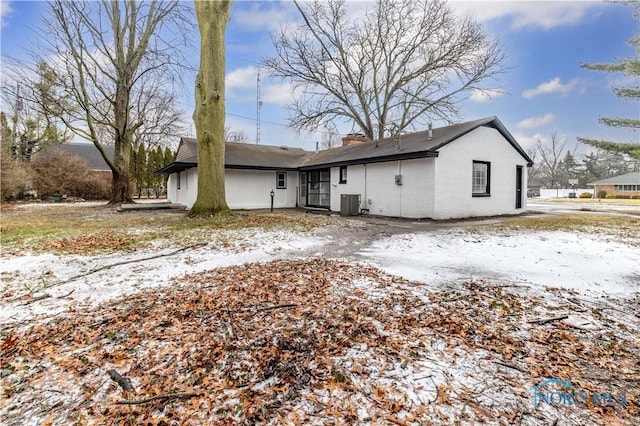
x=319 y=341
x=203 y=338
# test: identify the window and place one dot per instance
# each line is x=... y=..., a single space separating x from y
x=481 y=179
x=343 y=174
x=178 y=180
x=281 y=180
x=627 y=187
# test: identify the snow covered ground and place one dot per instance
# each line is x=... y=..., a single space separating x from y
x=577 y=261
x=587 y=263
x=478 y=262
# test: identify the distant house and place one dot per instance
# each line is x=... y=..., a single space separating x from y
x=87 y=151
x=470 y=169
x=627 y=184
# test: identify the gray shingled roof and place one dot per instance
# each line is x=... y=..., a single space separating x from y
x=632 y=178
x=241 y=156
x=86 y=151
x=414 y=145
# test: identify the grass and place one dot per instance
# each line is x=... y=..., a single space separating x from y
x=617 y=225
x=93 y=229
x=613 y=201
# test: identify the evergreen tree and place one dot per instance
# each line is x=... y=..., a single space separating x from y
x=629 y=67
x=140 y=169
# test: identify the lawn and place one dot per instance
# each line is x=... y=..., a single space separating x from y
x=290 y=318
x=612 y=201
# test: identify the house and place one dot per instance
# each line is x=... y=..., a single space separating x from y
x=624 y=185
x=87 y=151
x=464 y=170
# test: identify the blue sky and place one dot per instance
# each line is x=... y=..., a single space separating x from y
x=543 y=91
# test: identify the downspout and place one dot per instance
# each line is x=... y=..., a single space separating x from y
x=400 y=186
x=365 y=202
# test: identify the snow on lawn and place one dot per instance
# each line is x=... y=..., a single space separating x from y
x=312 y=340
x=576 y=261
x=41 y=274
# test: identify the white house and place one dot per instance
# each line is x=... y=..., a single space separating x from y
x=470 y=169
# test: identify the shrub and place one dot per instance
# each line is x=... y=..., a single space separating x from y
x=61 y=174
x=586 y=195
x=611 y=196
x=635 y=197
x=623 y=197
x=602 y=194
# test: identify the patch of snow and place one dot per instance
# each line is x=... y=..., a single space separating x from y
x=574 y=261
x=40 y=273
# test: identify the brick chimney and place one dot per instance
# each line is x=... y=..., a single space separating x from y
x=354 y=138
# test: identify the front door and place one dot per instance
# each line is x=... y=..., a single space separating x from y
x=518 y=187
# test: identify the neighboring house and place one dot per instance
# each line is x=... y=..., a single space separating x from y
x=627 y=184
x=87 y=151
x=471 y=169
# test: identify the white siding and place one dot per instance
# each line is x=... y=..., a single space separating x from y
x=251 y=189
x=376 y=183
x=244 y=189
x=188 y=187
x=453 y=197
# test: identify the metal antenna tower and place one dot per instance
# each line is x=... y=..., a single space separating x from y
x=258 y=108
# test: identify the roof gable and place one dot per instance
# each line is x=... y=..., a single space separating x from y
x=413 y=145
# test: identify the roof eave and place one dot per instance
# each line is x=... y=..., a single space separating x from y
x=380 y=159
x=175 y=167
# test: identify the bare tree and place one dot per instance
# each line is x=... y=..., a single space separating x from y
x=238 y=136
x=330 y=137
x=209 y=113
x=404 y=62
x=551 y=171
x=108 y=61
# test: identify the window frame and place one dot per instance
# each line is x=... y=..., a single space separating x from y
x=282 y=185
x=487 y=189
x=343 y=174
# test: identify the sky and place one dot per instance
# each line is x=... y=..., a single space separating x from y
x=544 y=90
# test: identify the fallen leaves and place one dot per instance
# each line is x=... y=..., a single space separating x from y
x=92 y=243
x=310 y=341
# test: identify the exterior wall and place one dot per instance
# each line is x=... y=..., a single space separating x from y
x=611 y=189
x=375 y=183
x=188 y=187
x=250 y=189
x=453 y=174
x=244 y=189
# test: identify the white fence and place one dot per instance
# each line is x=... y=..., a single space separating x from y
x=564 y=193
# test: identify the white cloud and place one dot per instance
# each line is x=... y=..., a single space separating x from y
x=5 y=11
x=552 y=86
x=264 y=16
x=526 y=141
x=280 y=94
x=483 y=96
x=534 y=122
x=522 y=14
x=242 y=78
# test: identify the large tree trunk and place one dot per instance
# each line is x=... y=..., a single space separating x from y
x=209 y=113
x=120 y=182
